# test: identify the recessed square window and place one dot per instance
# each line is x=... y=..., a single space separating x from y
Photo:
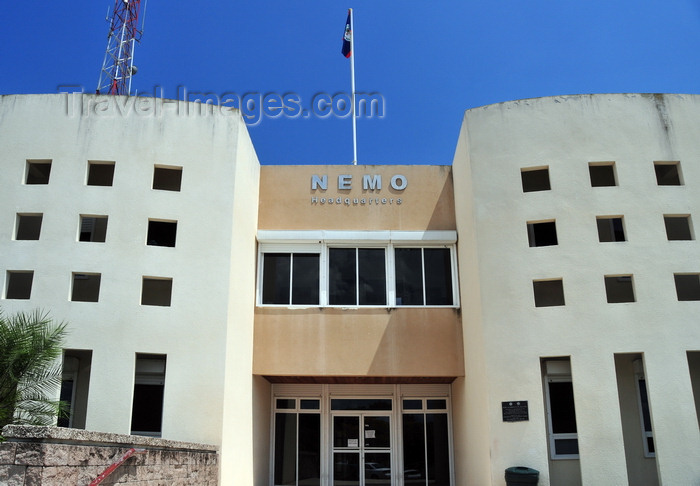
x=542 y=234
x=161 y=233
x=156 y=291
x=602 y=174
x=610 y=228
x=548 y=292
x=93 y=228
x=535 y=179
x=19 y=284
x=678 y=227
x=619 y=288
x=28 y=226
x=86 y=287
x=687 y=286
x=668 y=173
x=167 y=178
x=100 y=173
x=38 y=171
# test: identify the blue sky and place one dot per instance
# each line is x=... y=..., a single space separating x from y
x=429 y=60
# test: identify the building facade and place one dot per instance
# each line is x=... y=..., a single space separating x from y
x=533 y=305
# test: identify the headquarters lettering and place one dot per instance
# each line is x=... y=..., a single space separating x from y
x=369 y=183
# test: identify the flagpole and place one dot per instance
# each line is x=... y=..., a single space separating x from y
x=352 y=86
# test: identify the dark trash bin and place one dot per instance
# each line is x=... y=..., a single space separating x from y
x=521 y=476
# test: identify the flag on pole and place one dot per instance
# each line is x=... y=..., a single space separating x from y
x=347 y=37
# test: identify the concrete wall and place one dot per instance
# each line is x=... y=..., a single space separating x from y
x=565 y=134
x=358 y=342
x=48 y=456
x=206 y=332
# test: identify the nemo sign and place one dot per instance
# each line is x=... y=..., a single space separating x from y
x=370 y=182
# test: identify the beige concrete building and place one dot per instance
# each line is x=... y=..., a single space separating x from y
x=533 y=305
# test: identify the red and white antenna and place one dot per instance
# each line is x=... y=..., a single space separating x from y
x=124 y=32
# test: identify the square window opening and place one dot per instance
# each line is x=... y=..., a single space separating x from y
x=535 y=179
x=548 y=293
x=687 y=286
x=602 y=174
x=167 y=178
x=678 y=228
x=28 y=226
x=100 y=173
x=156 y=291
x=38 y=171
x=93 y=228
x=619 y=288
x=668 y=173
x=542 y=233
x=161 y=233
x=149 y=387
x=86 y=287
x=610 y=229
x=19 y=284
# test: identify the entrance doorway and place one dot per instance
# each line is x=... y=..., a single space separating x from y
x=370 y=435
x=362 y=450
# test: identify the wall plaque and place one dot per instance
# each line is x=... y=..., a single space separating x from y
x=515 y=411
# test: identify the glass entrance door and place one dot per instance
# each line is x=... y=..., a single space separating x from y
x=361 y=450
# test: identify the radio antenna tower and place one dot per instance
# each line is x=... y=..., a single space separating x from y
x=118 y=66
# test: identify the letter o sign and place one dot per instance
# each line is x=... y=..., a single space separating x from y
x=399 y=182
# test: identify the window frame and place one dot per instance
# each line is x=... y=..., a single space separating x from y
x=320 y=242
x=261 y=282
x=553 y=437
x=297 y=411
x=646 y=434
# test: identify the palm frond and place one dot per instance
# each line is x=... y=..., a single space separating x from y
x=30 y=347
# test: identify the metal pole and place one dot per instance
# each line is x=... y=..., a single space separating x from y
x=352 y=76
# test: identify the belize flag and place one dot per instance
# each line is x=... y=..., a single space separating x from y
x=347 y=37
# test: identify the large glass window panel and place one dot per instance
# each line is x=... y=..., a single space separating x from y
x=285 y=449
x=342 y=276
x=361 y=404
x=437 y=448
x=377 y=431
x=304 y=281
x=346 y=431
x=414 y=447
x=561 y=400
x=372 y=270
x=305 y=275
x=438 y=276
x=309 y=449
x=276 y=268
x=409 y=276
x=346 y=469
x=378 y=469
